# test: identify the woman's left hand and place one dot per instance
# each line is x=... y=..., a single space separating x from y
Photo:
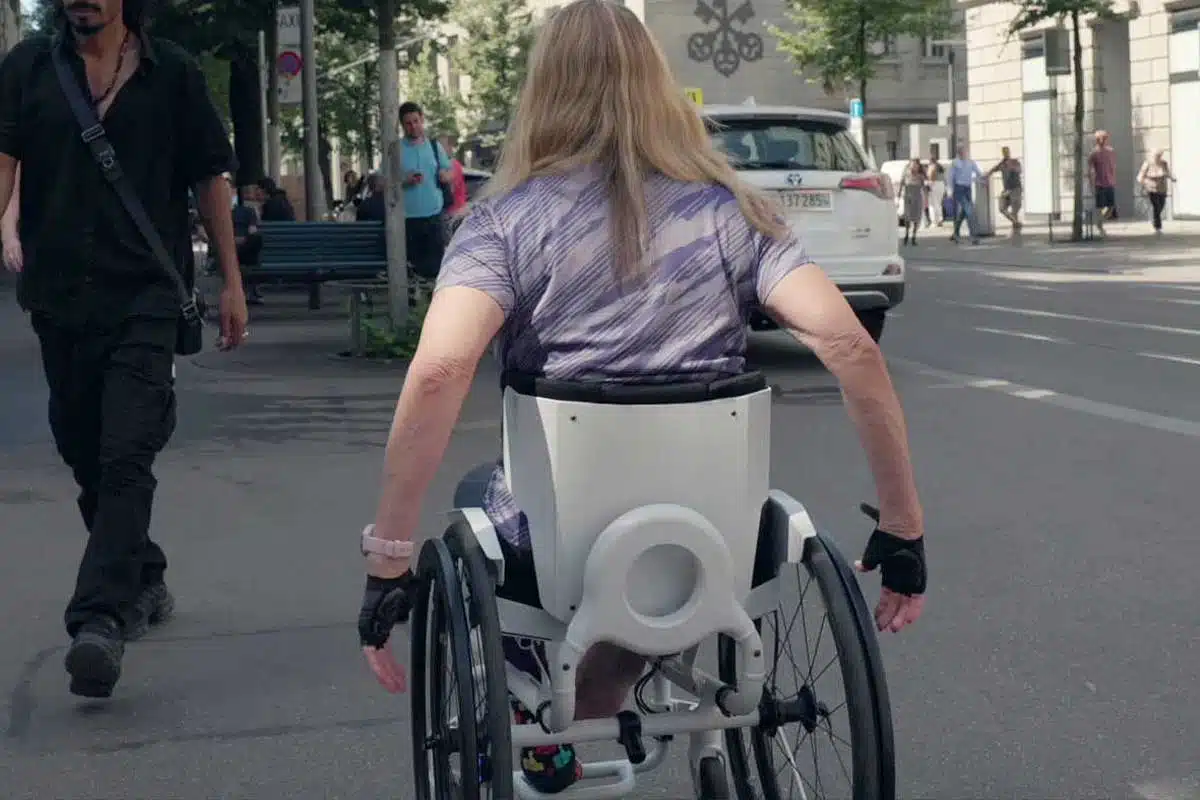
x=386 y=603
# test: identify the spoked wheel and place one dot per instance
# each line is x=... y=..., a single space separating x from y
x=490 y=686
x=445 y=756
x=826 y=726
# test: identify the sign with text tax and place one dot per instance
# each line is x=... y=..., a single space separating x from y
x=288 y=62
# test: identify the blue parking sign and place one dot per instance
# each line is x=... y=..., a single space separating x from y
x=856 y=108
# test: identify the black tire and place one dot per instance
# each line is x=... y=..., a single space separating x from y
x=711 y=778
x=873 y=320
x=441 y=658
x=870 y=773
x=494 y=719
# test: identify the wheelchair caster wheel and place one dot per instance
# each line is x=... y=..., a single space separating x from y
x=711 y=780
x=819 y=701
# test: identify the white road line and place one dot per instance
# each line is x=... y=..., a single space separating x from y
x=1178 y=359
x=1037 y=337
x=1030 y=312
x=1168 y=789
x=1033 y=287
x=1179 y=300
x=1095 y=408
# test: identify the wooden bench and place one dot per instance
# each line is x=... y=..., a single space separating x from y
x=313 y=253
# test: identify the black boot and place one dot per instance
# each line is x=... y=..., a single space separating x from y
x=94 y=658
x=906 y=236
x=153 y=606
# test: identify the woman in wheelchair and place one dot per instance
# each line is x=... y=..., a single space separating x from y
x=616 y=243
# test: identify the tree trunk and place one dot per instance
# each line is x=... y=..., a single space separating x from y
x=367 y=131
x=863 y=55
x=325 y=161
x=274 y=135
x=862 y=95
x=1077 y=71
x=393 y=168
x=245 y=111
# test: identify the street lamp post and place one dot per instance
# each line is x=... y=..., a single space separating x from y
x=952 y=71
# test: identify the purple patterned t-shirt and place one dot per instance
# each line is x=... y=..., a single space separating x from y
x=544 y=253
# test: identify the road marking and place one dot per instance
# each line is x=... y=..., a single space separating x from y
x=1179 y=300
x=1030 y=312
x=1037 y=337
x=1031 y=287
x=1178 y=359
x=1168 y=789
x=1095 y=408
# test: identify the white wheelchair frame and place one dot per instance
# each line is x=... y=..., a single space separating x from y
x=685 y=504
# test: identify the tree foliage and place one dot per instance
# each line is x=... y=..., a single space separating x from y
x=1033 y=13
x=838 y=41
x=494 y=52
x=423 y=86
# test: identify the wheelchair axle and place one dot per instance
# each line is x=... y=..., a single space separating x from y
x=804 y=708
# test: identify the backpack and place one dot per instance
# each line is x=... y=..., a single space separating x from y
x=447 y=189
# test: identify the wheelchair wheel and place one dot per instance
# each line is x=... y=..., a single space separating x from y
x=445 y=757
x=490 y=686
x=823 y=732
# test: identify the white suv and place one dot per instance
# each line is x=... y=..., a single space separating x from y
x=842 y=209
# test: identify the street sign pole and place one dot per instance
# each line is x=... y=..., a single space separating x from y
x=314 y=189
x=856 y=121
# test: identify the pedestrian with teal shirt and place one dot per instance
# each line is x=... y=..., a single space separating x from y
x=426 y=170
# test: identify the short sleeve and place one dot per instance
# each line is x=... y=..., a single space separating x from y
x=478 y=258
x=776 y=258
x=12 y=81
x=205 y=149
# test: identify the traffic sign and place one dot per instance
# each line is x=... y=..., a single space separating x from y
x=288 y=61
x=856 y=108
x=695 y=95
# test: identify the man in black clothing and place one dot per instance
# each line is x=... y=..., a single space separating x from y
x=275 y=204
x=373 y=208
x=104 y=309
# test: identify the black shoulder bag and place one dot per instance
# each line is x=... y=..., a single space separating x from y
x=446 y=188
x=189 y=338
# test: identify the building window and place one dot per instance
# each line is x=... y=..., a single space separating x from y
x=885 y=48
x=931 y=51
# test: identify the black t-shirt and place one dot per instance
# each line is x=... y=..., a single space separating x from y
x=83 y=253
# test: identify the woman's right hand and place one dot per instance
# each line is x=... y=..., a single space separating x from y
x=14 y=258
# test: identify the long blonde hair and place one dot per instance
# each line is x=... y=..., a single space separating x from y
x=599 y=92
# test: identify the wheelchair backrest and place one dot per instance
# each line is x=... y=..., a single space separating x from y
x=579 y=455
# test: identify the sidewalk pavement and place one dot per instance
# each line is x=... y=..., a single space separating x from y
x=1129 y=248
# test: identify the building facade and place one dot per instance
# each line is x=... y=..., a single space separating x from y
x=10 y=24
x=1141 y=74
x=724 y=49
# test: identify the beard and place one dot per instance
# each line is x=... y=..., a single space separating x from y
x=85 y=25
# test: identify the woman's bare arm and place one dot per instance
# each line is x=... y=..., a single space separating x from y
x=8 y=220
x=459 y=326
x=814 y=311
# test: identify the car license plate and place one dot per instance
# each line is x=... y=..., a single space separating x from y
x=806 y=200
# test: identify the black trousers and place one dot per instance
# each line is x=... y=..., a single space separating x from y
x=112 y=410
x=1157 y=201
x=425 y=241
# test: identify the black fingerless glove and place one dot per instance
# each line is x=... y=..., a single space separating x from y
x=386 y=603
x=901 y=562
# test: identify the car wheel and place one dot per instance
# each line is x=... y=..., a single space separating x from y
x=873 y=320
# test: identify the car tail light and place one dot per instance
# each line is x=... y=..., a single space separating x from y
x=878 y=185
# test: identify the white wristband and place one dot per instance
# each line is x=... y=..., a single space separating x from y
x=388 y=548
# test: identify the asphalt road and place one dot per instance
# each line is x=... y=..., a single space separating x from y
x=1056 y=430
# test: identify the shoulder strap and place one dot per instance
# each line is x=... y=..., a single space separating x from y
x=95 y=137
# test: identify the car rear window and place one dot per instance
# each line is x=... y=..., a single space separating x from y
x=787 y=143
